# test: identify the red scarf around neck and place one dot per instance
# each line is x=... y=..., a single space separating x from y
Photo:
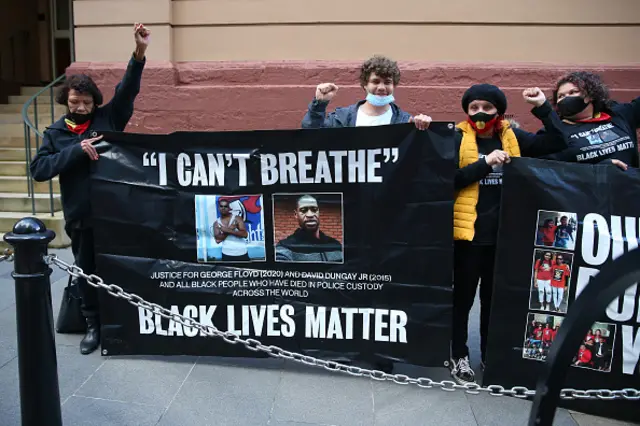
x=77 y=128
x=601 y=116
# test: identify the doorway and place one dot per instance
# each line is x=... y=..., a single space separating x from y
x=61 y=36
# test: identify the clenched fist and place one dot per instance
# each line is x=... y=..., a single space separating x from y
x=141 y=35
x=497 y=157
x=534 y=96
x=326 y=91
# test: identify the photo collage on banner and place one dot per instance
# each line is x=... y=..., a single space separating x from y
x=307 y=228
x=552 y=268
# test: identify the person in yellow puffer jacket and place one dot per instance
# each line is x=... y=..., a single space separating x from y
x=484 y=142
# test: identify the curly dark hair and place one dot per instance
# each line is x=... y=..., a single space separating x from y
x=81 y=83
x=382 y=67
x=590 y=85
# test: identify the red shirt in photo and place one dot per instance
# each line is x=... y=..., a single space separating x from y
x=584 y=356
x=537 y=333
x=544 y=269
x=549 y=235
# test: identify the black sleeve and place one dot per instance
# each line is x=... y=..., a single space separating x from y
x=49 y=163
x=469 y=174
x=546 y=141
x=630 y=111
x=121 y=105
x=316 y=116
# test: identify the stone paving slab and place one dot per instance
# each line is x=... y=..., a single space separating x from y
x=396 y=405
x=224 y=395
x=168 y=391
x=324 y=399
x=145 y=380
x=510 y=411
x=83 y=411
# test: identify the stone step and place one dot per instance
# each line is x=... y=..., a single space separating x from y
x=19 y=184
x=13 y=168
x=42 y=108
x=30 y=90
x=44 y=118
x=22 y=99
x=15 y=154
x=18 y=141
x=55 y=223
x=21 y=202
x=17 y=130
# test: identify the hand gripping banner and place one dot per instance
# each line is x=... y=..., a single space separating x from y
x=560 y=223
x=336 y=243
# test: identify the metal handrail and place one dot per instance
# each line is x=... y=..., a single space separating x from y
x=28 y=127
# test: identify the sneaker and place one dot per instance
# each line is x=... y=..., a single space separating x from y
x=461 y=371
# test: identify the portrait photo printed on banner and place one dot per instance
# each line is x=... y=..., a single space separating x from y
x=596 y=350
x=230 y=228
x=308 y=228
x=550 y=280
x=556 y=229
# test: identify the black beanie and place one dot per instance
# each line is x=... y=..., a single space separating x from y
x=485 y=92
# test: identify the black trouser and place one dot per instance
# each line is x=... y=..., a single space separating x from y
x=471 y=264
x=84 y=255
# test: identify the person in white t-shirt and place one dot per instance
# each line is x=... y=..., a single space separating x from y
x=231 y=233
x=379 y=76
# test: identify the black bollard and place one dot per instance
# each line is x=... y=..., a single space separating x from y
x=37 y=360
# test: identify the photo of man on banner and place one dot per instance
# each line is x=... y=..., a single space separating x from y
x=308 y=243
x=230 y=228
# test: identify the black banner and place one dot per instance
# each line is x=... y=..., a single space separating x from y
x=334 y=243
x=560 y=223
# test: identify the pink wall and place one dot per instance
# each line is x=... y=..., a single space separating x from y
x=274 y=95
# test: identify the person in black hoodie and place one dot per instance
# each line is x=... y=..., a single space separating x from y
x=596 y=129
x=379 y=77
x=68 y=149
x=483 y=143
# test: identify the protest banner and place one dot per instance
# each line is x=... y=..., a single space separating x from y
x=560 y=223
x=335 y=243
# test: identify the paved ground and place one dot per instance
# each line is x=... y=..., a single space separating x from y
x=180 y=391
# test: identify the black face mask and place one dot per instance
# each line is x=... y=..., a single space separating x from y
x=79 y=118
x=571 y=105
x=482 y=116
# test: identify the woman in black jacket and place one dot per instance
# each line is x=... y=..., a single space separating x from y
x=68 y=150
x=595 y=128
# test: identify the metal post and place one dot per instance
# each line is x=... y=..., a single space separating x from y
x=29 y=177
x=35 y=113
x=611 y=282
x=27 y=152
x=50 y=181
x=37 y=360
